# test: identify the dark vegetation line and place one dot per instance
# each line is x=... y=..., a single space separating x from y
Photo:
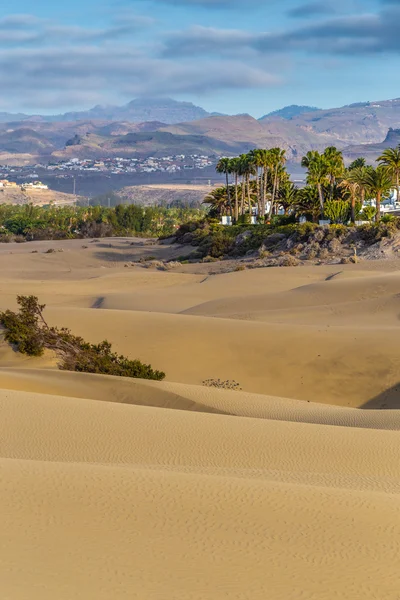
x=28 y=222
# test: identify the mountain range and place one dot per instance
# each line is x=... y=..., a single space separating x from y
x=139 y=110
x=163 y=126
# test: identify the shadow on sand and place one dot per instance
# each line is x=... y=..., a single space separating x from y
x=389 y=399
x=129 y=255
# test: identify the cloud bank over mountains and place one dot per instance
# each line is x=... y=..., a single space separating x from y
x=194 y=48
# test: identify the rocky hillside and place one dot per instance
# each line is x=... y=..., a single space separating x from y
x=147 y=195
x=372 y=151
x=170 y=127
x=288 y=112
x=37 y=197
x=362 y=123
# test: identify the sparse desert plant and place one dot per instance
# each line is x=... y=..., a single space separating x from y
x=240 y=268
x=50 y=251
x=228 y=384
x=288 y=260
x=210 y=259
x=323 y=254
x=28 y=331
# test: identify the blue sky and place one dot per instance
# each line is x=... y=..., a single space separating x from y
x=225 y=55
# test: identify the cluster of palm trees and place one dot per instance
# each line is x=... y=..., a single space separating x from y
x=262 y=172
x=260 y=178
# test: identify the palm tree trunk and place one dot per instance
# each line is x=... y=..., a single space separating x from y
x=321 y=199
x=236 y=199
x=248 y=193
x=258 y=192
x=378 y=207
x=243 y=195
x=228 y=193
x=265 y=191
x=271 y=209
x=353 y=208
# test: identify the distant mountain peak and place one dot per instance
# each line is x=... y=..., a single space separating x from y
x=289 y=112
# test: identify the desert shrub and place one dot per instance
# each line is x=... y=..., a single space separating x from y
x=374 y=232
x=300 y=232
x=318 y=235
x=217 y=245
x=240 y=268
x=209 y=259
x=46 y=233
x=336 y=231
x=229 y=384
x=288 y=261
x=334 y=246
x=6 y=238
x=323 y=254
x=28 y=331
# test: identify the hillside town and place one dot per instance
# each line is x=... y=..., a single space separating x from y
x=165 y=164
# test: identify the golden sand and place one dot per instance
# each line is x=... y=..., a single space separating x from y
x=114 y=488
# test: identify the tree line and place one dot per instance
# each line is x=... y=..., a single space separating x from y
x=260 y=179
x=29 y=222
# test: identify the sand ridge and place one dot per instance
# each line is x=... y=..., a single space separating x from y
x=119 y=488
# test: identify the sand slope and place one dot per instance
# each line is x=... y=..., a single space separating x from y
x=119 y=488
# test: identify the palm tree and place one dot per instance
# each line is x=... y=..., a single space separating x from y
x=235 y=169
x=352 y=187
x=335 y=166
x=265 y=158
x=288 y=196
x=242 y=172
x=278 y=160
x=317 y=174
x=247 y=169
x=390 y=159
x=224 y=166
x=379 y=182
x=218 y=198
x=358 y=163
x=308 y=203
x=254 y=158
x=358 y=175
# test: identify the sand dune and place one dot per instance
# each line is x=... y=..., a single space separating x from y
x=120 y=488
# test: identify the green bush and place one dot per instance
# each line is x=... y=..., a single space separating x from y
x=244 y=219
x=368 y=213
x=28 y=331
x=216 y=245
x=388 y=218
x=338 y=211
x=279 y=220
